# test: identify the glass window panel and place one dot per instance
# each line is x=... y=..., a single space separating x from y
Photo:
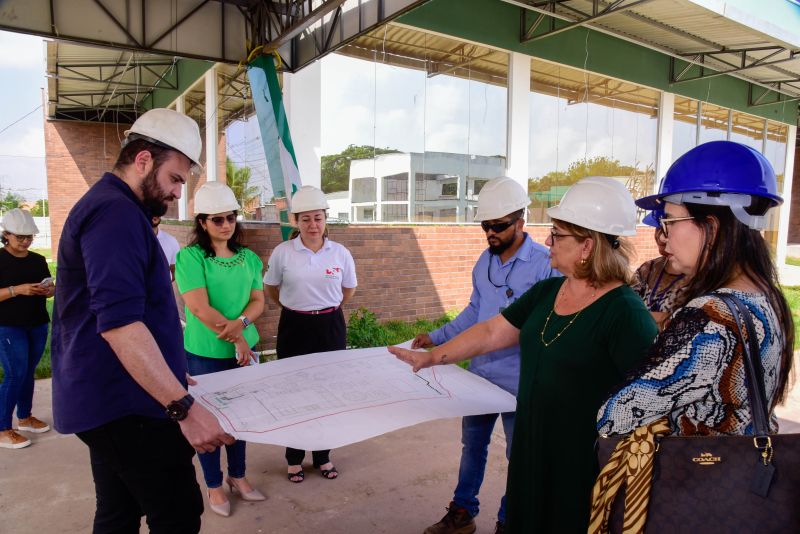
x=394 y=212
x=713 y=123
x=684 y=126
x=395 y=187
x=421 y=105
x=747 y=129
x=584 y=124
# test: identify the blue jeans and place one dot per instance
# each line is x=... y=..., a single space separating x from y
x=210 y=461
x=21 y=349
x=476 y=433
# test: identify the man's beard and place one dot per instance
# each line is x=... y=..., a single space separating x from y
x=152 y=197
x=502 y=247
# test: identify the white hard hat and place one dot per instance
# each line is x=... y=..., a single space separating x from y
x=214 y=197
x=170 y=128
x=598 y=203
x=309 y=198
x=19 y=222
x=499 y=197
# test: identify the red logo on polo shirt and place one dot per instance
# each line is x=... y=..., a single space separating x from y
x=333 y=272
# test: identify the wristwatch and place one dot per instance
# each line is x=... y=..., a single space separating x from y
x=245 y=321
x=178 y=410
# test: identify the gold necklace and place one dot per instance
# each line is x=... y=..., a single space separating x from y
x=547 y=321
x=541 y=334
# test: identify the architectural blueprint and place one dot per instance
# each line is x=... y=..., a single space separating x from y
x=330 y=399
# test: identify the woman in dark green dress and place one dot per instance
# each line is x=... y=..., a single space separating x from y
x=578 y=336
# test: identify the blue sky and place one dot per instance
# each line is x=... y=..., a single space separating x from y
x=22 y=69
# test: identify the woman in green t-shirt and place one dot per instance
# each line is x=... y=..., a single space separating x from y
x=578 y=336
x=220 y=281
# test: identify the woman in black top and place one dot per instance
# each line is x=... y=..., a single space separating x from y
x=25 y=285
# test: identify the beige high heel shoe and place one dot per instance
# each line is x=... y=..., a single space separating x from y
x=223 y=509
x=252 y=495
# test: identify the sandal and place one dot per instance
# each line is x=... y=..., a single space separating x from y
x=300 y=475
x=330 y=474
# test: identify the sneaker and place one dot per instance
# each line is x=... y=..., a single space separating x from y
x=499 y=528
x=456 y=521
x=9 y=439
x=31 y=424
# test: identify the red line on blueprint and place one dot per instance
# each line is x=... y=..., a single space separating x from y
x=214 y=408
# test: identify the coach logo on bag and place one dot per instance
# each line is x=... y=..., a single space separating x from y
x=706 y=458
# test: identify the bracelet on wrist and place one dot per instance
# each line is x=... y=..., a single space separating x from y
x=11 y=291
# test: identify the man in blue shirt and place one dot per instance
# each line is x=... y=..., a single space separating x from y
x=509 y=267
x=117 y=345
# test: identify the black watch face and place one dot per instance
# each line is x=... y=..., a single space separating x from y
x=177 y=411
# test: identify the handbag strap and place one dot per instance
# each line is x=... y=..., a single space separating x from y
x=754 y=371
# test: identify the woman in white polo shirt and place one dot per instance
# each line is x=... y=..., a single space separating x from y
x=310 y=277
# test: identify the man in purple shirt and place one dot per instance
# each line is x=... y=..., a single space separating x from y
x=117 y=346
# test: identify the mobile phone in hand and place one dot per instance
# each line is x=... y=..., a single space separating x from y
x=47 y=282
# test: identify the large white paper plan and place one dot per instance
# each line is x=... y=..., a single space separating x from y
x=331 y=399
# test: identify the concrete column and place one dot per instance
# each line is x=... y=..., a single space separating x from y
x=518 y=121
x=212 y=124
x=183 y=202
x=666 y=120
x=783 y=221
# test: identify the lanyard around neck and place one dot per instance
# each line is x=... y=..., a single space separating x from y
x=509 y=291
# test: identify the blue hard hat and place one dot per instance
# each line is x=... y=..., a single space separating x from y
x=720 y=173
x=651 y=219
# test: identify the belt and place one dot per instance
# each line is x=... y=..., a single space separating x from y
x=315 y=312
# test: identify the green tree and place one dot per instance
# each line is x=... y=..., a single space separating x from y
x=10 y=201
x=597 y=166
x=238 y=179
x=41 y=208
x=335 y=168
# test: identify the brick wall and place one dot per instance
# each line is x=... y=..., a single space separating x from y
x=794 y=208
x=404 y=272
x=78 y=153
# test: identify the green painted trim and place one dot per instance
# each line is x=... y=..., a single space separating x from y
x=497 y=24
x=183 y=76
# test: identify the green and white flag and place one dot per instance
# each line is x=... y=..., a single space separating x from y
x=274 y=125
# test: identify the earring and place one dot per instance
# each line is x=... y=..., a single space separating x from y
x=583 y=261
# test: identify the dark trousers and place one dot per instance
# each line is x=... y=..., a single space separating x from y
x=300 y=333
x=143 y=466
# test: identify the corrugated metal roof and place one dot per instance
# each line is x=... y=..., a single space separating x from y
x=92 y=83
x=689 y=31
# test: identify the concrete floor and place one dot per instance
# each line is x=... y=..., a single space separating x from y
x=396 y=483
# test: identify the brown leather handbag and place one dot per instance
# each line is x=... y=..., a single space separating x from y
x=721 y=483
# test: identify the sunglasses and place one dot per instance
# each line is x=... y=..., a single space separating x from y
x=219 y=220
x=666 y=221
x=22 y=237
x=497 y=227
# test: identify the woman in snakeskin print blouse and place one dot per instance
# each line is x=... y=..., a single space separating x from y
x=694 y=374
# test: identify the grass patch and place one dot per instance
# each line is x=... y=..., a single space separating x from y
x=364 y=330
x=792 y=295
x=793 y=261
x=46 y=252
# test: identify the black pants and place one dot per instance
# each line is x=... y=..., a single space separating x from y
x=300 y=333
x=143 y=466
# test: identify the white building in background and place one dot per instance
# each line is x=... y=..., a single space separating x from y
x=339 y=210
x=419 y=187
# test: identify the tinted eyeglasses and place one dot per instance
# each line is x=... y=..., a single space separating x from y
x=665 y=222
x=22 y=237
x=497 y=227
x=219 y=220
x=555 y=235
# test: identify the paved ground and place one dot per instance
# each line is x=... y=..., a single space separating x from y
x=396 y=483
